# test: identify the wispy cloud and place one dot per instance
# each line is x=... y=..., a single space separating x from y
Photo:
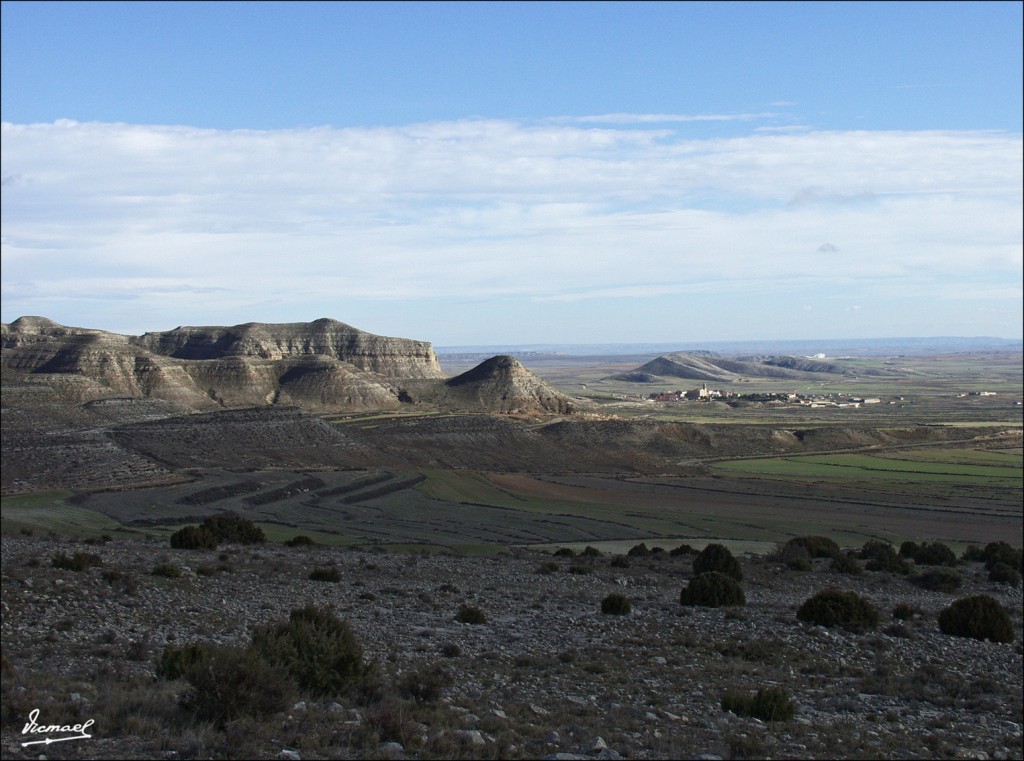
x=665 y=118
x=614 y=206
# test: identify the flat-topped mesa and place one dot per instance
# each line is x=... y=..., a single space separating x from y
x=30 y=330
x=392 y=357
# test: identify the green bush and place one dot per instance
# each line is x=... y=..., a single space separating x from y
x=712 y=590
x=174 y=662
x=638 y=551
x=938 y=579
x=800 y=564
x=565 y=552
x=616 y=604
x=424 y=684
x=300 y=541
x=234 y=683
x=167 y=570
x=80 y=561
x=328 y=573
x=908 y=549
x=233 y=528
x=838 y=607
x=882 y=556
x=193 y=538
x=979 y=617
x=717 y=557
x=843 y=563
x=795 y=556
x=682 y=549
x=469 y=614
x=973 y=554
x=768 y=704
x=904 y=612
x=316 y=648
x=935 y=553
x=591 y=552
x=1001 y=552
x=1001 y=573
x=816 y=546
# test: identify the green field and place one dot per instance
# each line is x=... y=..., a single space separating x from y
x=933 y=466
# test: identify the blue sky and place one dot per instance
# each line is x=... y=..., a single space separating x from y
x=480 y=173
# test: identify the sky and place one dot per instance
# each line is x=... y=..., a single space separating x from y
x=516 y=173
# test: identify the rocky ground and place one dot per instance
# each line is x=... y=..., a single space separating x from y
x=546 y=675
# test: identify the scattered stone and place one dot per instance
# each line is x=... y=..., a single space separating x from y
x=470 y=737
x=596 y=745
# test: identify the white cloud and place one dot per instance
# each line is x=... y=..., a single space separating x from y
x=562 y=211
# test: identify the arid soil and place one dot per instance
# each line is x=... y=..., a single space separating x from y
x=547 y=673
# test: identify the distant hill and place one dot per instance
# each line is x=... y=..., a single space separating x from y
x=707 y=366
x=502 y=384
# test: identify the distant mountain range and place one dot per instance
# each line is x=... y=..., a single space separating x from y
x=707 y=366
x=833 y=347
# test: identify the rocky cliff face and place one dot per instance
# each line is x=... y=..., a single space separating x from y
x=322 y=366
x=393 y=357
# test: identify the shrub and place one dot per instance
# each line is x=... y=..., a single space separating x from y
x=591 y=552
x=616 y=604
x=717 y=557
x=769 y=704
x=451 y=650
x=231 y=527
x=620 y=561
x=325 y=574
x=909 y=550
x=938 y=579
x=682 y=549
x=175 y=662
x=1001 y=552
x=935 y=553
x=167 y=570
x=424 y=684
x=843 y=563
x=882 y=556
x=80 y=561
x=712 y=590
x=979 y=617
x=234 y=683
x=193 y=538
x=638 y=551
x=838 y=607
x=469 y=614
x=1001 y=573
x=904 y=612
x=581 y=568
x=816 y=546
x=973 y=554
x=795 y=556
x=316 y=648
x=548 y=566
x=300 y=541
x=565 y=552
